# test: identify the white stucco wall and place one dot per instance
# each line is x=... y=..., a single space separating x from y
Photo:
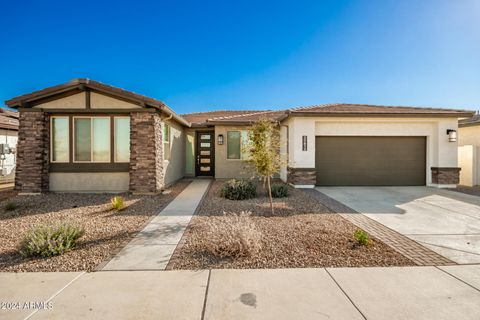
x=469 y=136
x=89 y=182
x=440 y=152
x=174 y=168
x=469 y=161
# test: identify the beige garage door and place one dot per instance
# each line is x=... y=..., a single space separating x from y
x=370 y=161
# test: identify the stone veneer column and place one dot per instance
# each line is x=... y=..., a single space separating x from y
x=302 y=176
x=33 y=152
x=146 y=153
x=445 y=175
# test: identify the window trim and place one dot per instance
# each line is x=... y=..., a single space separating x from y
x=51 y=139
x=241 y=145
x=115 y=140
x=91 y=139
x=166 y=141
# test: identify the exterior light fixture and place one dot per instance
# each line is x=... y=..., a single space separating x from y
x=452 y=135
x=304 y=143
x=220 y=139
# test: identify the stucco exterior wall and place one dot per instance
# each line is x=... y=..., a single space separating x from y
x=469 y=161
x=89 y=182
x=76 y=101
x=100 y=101
x=174 y=168
x=469 y=136
x=440 y=152
x=229 y=168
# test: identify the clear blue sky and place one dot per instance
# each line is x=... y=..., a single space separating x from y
x=204 y=55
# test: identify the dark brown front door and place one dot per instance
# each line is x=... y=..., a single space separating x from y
x=205 y=154
x=370 y=161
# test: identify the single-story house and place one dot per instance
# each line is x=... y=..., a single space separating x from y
x=86 y=136
x=469 y=150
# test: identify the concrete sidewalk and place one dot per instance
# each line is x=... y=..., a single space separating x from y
x=451 y=292
x=152 y=248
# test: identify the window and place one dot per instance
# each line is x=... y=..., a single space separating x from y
x=166 y=141
x=236 y=143
x=122 y=139
x=59 y=143
x=91 y=139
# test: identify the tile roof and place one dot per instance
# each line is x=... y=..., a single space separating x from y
x=473 y=121
x=232 y=116
x=342 y=108
x=8 y=119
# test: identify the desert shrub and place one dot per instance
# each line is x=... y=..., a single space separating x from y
x=10 y=206
x=50 y=239
x=362 y=237
x=230 y=235
x=239 y=189
x=117 y=203
x=279 y=190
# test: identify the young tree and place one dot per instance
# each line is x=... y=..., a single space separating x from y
x=264 y=151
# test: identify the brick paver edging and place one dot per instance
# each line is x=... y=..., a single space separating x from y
x=411 y=249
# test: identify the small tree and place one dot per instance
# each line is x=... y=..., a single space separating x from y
x=264 y=151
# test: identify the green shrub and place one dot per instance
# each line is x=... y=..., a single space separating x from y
x=50 y=239
x=362 y=237
x=117 y=203
x=239 y=189
x=10 y=206
x=279 y=190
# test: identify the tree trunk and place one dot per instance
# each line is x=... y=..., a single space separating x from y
x=270 y=195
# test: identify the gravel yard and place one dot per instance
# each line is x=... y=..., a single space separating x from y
x=302 y=233
x=106 y=231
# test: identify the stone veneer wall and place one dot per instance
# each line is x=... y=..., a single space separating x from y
x=302 y=176
x=445 y=175
x=33 y=149
x=146 y=153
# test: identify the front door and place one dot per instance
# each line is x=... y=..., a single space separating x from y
x=205 y=155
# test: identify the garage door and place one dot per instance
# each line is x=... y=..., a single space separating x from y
x=370 y=161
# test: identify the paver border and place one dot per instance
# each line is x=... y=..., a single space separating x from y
x=411 y=249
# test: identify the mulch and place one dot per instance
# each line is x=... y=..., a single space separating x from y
x=302 y=233
x=106 y=231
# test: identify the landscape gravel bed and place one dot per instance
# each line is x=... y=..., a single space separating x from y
x=106 y=231
x=302 y=233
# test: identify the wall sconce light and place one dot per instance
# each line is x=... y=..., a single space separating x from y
x=220 y=139
x=304 y=143
x=452 y=135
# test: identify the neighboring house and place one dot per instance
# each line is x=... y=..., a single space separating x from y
x=8 y=137
x=469 y=150
x=85 y=136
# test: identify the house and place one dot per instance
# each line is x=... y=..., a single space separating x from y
x=8 y=143
x=86 y=136
x=469 y=150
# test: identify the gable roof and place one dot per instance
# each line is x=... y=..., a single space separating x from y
x=369 y=110
x=230 y=117
x=8 y=119
x=470 y=122
x=82 y=84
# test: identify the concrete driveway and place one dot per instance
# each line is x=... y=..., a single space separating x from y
x=446 y=222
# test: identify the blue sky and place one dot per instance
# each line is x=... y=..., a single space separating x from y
x=205 y=55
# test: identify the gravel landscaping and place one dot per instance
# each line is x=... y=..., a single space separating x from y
x=302 y=233
x=106 y=231
x=474 y=191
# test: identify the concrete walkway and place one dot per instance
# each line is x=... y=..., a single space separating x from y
x=443 y=221
x=153 y=247
x=451 y=292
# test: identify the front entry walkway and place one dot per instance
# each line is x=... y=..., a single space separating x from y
x=443 y=221
x=153 y=247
